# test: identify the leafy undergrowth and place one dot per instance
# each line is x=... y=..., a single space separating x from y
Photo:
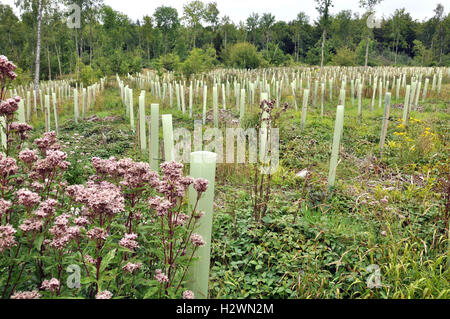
x=385 y=222
x=387 y=211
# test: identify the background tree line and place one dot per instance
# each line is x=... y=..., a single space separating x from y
x=199 y=38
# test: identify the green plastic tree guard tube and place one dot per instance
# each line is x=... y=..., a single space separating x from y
x=142 y=131
x=322 y=96
x=191 y=95
x=224 y=98
x=2 y=132
x=439 y=85
x=387 y=106
x=75 y=104
x=425 y=89
x=28 y=106
x=41 y=100
x=202 y=164
x=169 y=154
x=352 y=91
x=170 y=95
x=21 y=112
x=406 y=105
x=183 y=105
x=360 y=101
x=380 y=94
x=316 y=87
x=215 y=107
x=416 y=103
x=55 y=113
x=293 y=95
x=338 y=127
x=47 y=112
x=34 y=102
x=131 y=111
x=304 y=108
x=372 y=104
x=331 y=89
x=177 y=93
x=154 y=137
x=205 y=95
x=83 y=105
x=342 y=97
x=412 y=94
x=242 y=110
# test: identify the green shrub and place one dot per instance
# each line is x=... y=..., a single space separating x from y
x=199 y=61
x=169 y=62
x=244 y=55
x=275 y=56
x=344 y=57
x=88 y=76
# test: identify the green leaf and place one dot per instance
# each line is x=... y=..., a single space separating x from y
x=38 y=241
x=107 y=260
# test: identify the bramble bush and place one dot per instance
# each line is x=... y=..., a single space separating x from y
x=127 y=233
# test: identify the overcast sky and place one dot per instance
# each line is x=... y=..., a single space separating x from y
x=287 y=10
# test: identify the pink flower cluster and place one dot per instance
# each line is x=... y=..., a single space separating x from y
x=47 y=142
x=161 y=205
x=133 y=174
x=57 y=158
x=26 y=295
x=28 y=156
x=4 y=206
x=200 y=185
x=180 y=219
x=173 y=185
x=160 y=276
x=31 y=225
x=27 y=198
x=97 y=233
x=61 y=236
x=131 y=268
x=129 y=241
x=81 y=221
x=7 y=68
x=105 y=294
x=20 y=128
x=103 y=198
x=46 y=208
x=188 y=294
x=7 y=239
x=197 y=240
x=50 y=285
x=8 y=166
x=43 y=168
x=9 y=106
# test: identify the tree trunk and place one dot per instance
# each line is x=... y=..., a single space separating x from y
x=38 y=49
x=165 y=44
x=193 y=31
x=91 y=43
x=324 y=34
x=48 y=61
x=57 y=56
x=396 y=51
x=367 y=50
x=148 y=52
x=76 y=43
x=225 y=40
